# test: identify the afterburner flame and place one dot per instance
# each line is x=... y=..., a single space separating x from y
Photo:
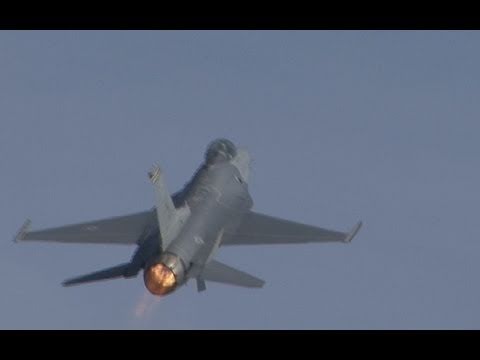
x=159 y=279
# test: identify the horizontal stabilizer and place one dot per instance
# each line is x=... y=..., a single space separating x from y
x=106 y=274
x=215 y=271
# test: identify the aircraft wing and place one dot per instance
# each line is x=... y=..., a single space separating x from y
x=127 y=229
x=260 y=229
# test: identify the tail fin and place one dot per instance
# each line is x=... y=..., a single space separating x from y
x=163 y=201
x=105 y=274
x=170 y=219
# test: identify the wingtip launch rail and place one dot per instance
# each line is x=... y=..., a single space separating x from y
x=353 y=232
x=22 y=231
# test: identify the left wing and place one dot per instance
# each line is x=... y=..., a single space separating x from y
x=127 y=229
x=260 y=229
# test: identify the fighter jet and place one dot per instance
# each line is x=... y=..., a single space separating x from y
x=178 y=238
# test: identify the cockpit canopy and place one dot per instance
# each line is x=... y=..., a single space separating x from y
x=220 y=150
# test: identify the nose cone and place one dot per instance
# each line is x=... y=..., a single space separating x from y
x=159 y=279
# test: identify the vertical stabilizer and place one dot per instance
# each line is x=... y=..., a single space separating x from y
x=170 y=219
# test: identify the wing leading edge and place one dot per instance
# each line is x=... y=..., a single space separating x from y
x=127 y=229
x=260 y=229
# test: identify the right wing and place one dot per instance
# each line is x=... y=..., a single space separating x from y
x=260 y=229
x=127 y=229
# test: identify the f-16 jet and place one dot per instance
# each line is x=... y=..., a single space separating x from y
x=178 y=239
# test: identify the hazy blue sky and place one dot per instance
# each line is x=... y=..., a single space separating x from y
x=342 y=126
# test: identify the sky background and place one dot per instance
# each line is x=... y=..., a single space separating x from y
x=342 y=126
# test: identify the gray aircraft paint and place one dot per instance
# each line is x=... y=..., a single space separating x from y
x=219 y=201
x=183 y=232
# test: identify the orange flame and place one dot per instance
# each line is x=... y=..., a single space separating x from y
x=159 y=279
x=143 y=309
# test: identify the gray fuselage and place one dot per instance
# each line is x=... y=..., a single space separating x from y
x=217 y=197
